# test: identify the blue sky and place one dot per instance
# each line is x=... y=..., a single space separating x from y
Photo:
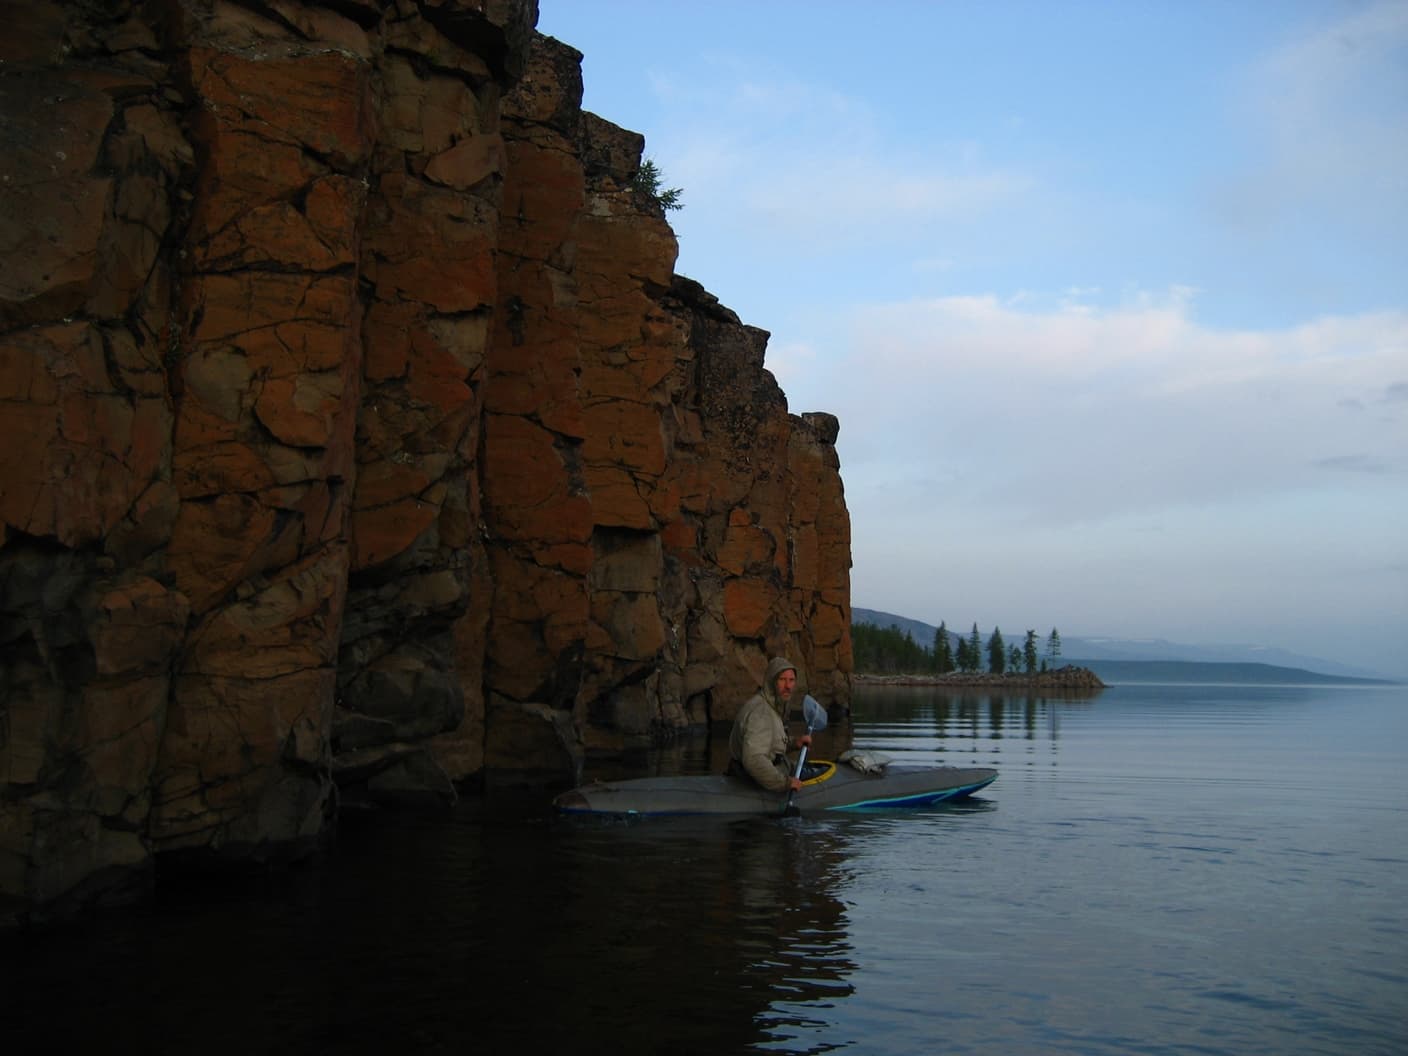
x=1111 y=299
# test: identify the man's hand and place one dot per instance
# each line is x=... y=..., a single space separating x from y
x=803 y=741
x=794 y=784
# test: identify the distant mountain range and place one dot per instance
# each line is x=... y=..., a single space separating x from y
x=1115 y=659
x=1116 y=671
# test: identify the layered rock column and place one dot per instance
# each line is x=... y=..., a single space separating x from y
x=538 y=515
x=266 y=386
x=763 y=528
x=410 y=710
x=92 y=628
x=647 y=495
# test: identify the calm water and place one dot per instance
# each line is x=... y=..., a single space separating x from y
x=1162 y=869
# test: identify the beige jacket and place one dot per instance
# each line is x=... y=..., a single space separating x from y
x=759 y=741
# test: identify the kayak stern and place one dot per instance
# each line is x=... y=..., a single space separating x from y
x=572 y=802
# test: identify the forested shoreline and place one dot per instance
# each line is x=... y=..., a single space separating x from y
x=891 y=651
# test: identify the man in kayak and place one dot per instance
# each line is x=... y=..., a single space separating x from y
x=758 y=744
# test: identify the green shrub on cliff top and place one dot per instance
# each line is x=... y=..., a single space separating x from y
x=647 y=182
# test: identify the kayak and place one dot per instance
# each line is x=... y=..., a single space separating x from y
x=833 y=788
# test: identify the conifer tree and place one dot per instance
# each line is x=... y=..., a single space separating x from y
x=648 y=180
x=943 y=650
x=997 y=652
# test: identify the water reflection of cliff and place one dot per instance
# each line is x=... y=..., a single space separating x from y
x=480 y=929
x=700 y=935
x=473 y=932
x=715 y=935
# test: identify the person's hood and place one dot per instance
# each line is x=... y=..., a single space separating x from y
x=776 y=666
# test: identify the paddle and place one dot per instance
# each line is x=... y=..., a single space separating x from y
x=815 y=715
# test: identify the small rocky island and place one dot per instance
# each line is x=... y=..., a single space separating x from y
x=1068 y=679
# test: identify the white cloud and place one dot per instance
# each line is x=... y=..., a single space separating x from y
x=1142 y=404
x=829 y=197
x=934 y=264
x=1355 y=464
x=1325 y=117
x=1126 y=468
x=790 y=363
x=776 y=156
x=1311 y=80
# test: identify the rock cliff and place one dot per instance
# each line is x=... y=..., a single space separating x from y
x=357 y=439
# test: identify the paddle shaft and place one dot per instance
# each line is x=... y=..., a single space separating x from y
x=816 y=720
x=801 y=760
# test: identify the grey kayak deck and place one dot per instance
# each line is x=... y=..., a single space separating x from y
x=839 y=788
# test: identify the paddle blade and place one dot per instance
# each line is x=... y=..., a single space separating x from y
x=814 y=713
